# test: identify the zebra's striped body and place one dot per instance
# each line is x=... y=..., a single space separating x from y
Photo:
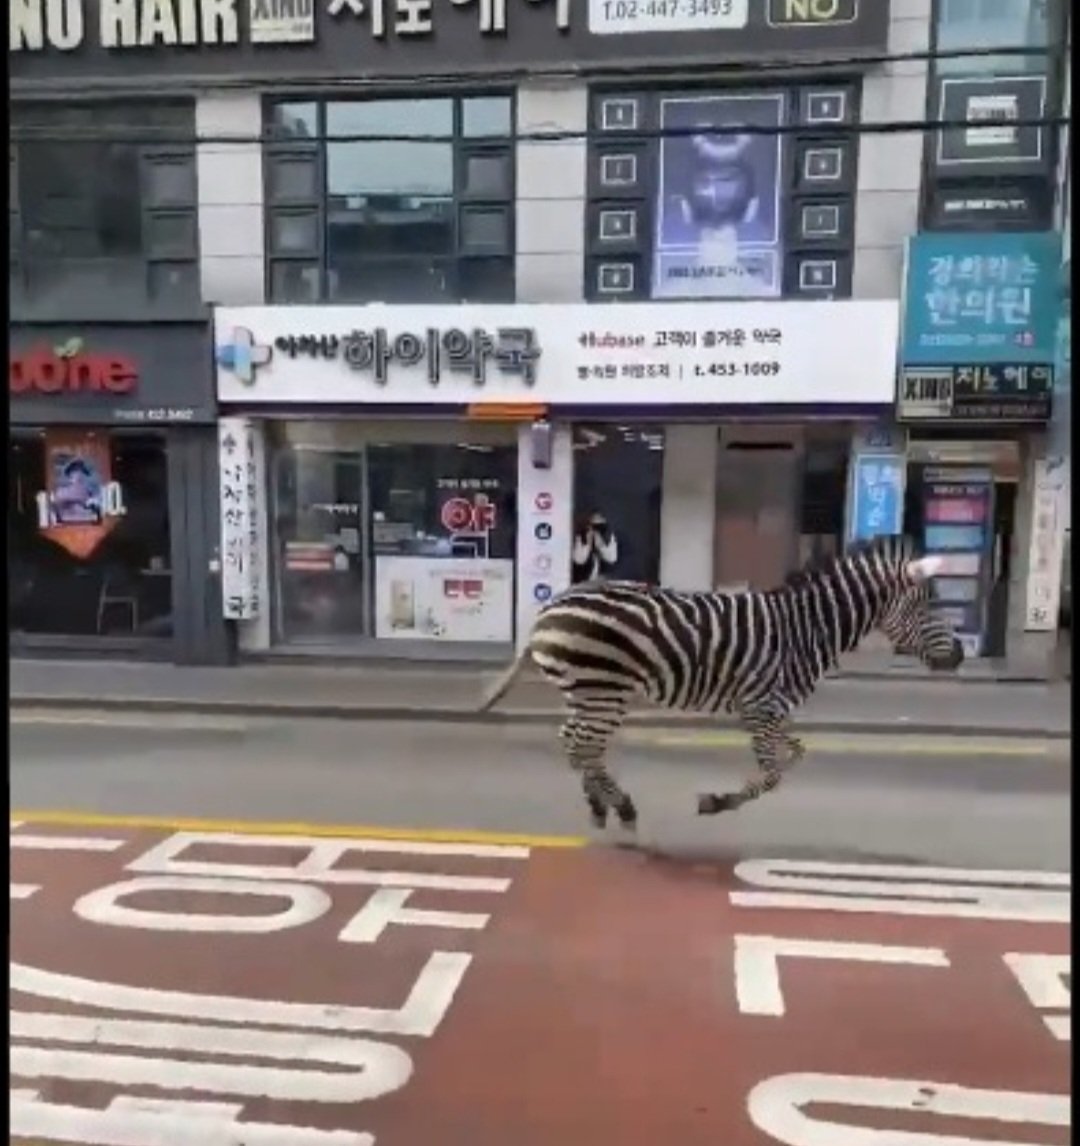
x=758 y=655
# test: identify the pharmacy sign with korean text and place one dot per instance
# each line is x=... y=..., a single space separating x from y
x=978 y=331
x=818 y=356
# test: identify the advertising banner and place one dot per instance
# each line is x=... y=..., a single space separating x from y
x=444 y=599
x=80 y=503
x=878 y=497
x=718 y=216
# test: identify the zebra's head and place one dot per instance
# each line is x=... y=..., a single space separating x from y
x=911 y=623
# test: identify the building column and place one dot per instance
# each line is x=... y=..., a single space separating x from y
x=551 y=192
x=688 y=506
x=231 y=242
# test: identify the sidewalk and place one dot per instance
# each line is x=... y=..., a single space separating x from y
x=452 y=693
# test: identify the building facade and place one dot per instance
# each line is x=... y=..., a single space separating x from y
x=359 y=189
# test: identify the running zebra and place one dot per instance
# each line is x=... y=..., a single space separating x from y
x=757 y=654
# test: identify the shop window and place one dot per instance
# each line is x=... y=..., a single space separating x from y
x=105 y=193
x=981 y=24
x=392 y=220
x=89 y=547
x=395 y=541
x=618 y=477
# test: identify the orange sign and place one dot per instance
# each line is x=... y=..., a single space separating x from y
x=80 y=503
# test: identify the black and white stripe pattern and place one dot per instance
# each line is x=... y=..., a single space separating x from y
x=757 y=654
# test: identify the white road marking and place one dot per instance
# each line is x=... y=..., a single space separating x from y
x=305 y=904
x=366 y=1069
x=317 y=865
x=130 y=1121
x=24 y=890
x=423 y=1010
x=776 y=1108
x=757 y=972
x=1045 y=980
x=905 y=889
x=387 y=905
x=66 y=843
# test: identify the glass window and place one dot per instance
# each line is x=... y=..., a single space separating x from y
x=618 y=477
x=89 y=194
x=88 y=534
x=357 y=530
x=964 y=24
x=390 y=208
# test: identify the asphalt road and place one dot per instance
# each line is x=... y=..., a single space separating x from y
x=994 y=803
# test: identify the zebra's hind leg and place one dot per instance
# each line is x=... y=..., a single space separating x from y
x=768 y=735
x=593 y=719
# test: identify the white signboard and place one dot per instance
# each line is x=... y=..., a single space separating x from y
x=240 y=470
x=545 y=526
x=281 y=21
x=1049 y=521
x=617 y=17
x=444 y=599
x=739 y=354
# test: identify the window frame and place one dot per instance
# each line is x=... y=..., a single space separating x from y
x=169 y=126
x=464 y=147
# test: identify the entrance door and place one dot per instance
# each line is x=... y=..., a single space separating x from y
x=755 y=543
x=319 y=544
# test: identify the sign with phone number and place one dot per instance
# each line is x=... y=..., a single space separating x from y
x=618 y=17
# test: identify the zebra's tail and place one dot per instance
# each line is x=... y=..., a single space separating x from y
x=501 y=686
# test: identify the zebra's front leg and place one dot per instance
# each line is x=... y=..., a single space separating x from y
x=585 y=734
x=768 y=737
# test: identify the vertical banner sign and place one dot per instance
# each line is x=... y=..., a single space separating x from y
x=878 y=498
x=240 y=476
x=1047 y=546
x=80 y=504
x=545 y=525
x=718 y=211
x=958 y=519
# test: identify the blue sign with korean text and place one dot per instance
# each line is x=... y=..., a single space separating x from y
x=878 y=505
x=972 y=299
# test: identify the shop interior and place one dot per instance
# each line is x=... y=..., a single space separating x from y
x=101 y=572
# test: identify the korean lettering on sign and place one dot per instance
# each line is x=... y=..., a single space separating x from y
x=417 y=17
x=680 y=342
x=993 y=290
x=980 y=299
x=241 y=525
x=512 y=350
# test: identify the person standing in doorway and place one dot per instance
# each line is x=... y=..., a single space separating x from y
x=595 y=552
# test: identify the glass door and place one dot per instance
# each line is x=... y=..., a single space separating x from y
x=320 y=550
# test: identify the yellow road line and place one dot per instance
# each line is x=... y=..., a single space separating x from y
x=290 y=828
x=881 y=745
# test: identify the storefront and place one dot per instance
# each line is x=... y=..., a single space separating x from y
x=112 y=491
x=409 y=480
x=975 y=392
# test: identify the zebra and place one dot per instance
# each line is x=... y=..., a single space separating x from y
x=757 y=654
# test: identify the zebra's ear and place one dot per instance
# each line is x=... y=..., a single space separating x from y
x=924 y=568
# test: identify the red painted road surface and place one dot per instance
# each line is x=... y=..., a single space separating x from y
x=219 y=990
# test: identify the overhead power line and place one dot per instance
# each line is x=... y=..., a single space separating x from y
x=279 y=139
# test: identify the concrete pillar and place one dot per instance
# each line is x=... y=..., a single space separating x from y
x=231 y=236
x=551 y=192
x=688 y=506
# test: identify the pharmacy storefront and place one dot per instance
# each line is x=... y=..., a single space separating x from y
x=400 y=480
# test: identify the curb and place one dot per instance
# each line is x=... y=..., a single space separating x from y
x=434 y=715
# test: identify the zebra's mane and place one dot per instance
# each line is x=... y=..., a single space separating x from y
x=893 y=549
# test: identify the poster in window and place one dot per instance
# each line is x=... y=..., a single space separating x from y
x=80 y=503
x=718 y=216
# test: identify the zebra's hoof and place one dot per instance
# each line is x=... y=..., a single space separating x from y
x=627 y=814
x=709 y=804
x=598 y=819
